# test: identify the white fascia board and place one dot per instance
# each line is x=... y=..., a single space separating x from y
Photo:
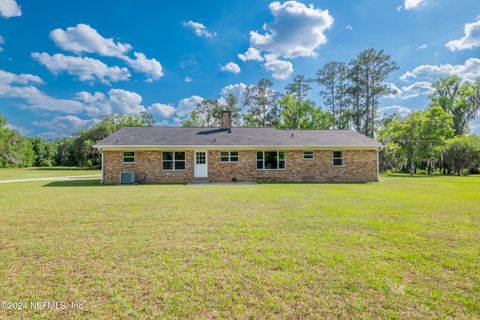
x=231 y=147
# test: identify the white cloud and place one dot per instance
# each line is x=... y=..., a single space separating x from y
x=296 y=31
x=470 y=70
x=116 y=101
x=86 y=69
x=20 y=86
x=9 y=78
x=403 y=111
x=83 y=38
x=475 y=126
x=37 y=99
x=21 y=130
x=416 y=89
x=199 y=29
x=410 y=4
x=349 y=27
x=164 y=110
x=411 y=91
x=2 y=42
x=124 y=101
x=471 y=38
x=94 y=105
x=237 y=90
x=187 y=79
x=280 y=69
x=119 y=101
x=187 y=105
x=231 y=67
x=9 y=8
x=423 y=46
x=251 y=54
x=68 y=123
x=151 y=67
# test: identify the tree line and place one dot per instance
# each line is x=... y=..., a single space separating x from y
x=435 y=139
x=19 y=151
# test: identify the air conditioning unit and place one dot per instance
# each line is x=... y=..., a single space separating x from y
x=127 y=177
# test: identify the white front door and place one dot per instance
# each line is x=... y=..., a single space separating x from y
x=201 y=165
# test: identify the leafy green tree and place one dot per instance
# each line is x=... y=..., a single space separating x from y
x=27 y=154
x=193 y=121
x=460 y=99
x=299 y=88
x=15 y=150
x=368 y=73
x=302 y=115
x=420 y=136
x=45 y=152
x=261 y=100
x=82 y=144
x=209 y=112
x=65 y=152
x=462 y=152
x=333 y=79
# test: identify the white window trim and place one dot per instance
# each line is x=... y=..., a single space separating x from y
x=123 y=157
x=173 y=161
x=336 y=158
x=230 y=157
x=278 y=160
x=309 y=159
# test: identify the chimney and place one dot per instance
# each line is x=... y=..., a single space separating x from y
x=226 y=119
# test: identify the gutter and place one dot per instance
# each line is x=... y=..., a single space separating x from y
x=101 y=151
x=238 y=147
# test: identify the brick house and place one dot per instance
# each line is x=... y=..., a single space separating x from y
x=223 y=154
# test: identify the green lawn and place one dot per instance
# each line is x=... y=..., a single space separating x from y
x=405 y=248
x=46 y=172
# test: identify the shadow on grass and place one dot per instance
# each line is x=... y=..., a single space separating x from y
x=311 y=182
x=418 y=176
x=62 y=169
x=96 y=183
x=75 y=183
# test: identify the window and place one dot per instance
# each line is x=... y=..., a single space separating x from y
x=338 y=158
x=200 y=158
x=270 y=160
x=229 y=156
x=308 y=155
x=128 y=157
x=173 y=161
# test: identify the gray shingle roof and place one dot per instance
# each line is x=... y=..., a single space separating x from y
x=181 y=136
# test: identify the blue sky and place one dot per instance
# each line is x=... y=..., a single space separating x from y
x=63 y=64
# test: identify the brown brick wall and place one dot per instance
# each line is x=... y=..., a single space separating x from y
x=359 y=165
x=147 y=167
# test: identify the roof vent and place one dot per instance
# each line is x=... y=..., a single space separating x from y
x=291 y=135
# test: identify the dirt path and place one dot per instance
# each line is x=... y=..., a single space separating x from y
x=83 y=177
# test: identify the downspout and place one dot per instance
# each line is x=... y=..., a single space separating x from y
x=378 y=164
x=101 y=152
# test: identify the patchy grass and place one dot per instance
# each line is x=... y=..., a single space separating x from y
x=44 y=172
x=405 y=248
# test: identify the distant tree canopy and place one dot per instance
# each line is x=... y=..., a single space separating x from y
x=19 y=151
